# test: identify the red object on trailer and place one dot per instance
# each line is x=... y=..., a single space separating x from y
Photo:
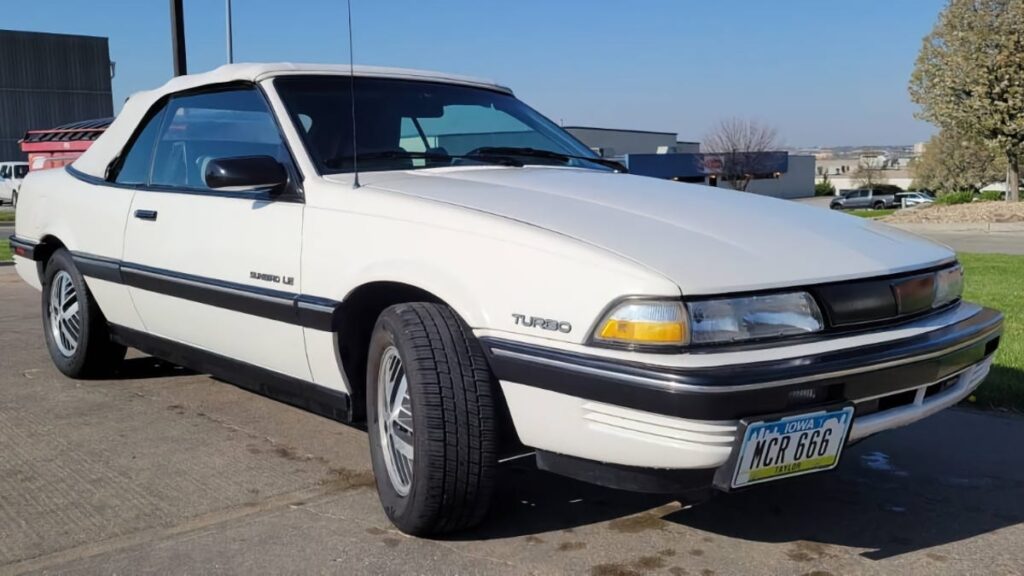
x=60 y=146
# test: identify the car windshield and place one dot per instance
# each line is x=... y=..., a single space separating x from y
x=409 y=124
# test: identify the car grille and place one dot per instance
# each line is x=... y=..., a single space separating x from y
x=876 y=301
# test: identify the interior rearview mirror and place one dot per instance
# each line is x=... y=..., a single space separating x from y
x=245 y=173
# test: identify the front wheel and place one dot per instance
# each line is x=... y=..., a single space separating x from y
x=878 y=205
x=76 y=333
x=836 y=206
x=14 y=198
x=431 y=419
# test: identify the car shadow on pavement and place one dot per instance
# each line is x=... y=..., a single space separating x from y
x=529 y=502
x=145 y=367
x=867 y=503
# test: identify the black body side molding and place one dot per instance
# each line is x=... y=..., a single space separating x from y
x=300 y=393
x=299 y=309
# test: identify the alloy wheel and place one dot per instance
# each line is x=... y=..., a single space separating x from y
x=394 y=416
x=65 y=320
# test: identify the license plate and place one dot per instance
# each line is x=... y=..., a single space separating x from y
x=791 y=446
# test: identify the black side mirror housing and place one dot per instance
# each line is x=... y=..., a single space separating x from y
x=246 y=173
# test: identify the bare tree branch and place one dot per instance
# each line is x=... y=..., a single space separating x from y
x=743 y=149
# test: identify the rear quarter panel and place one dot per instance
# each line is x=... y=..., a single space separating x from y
x=54 y=206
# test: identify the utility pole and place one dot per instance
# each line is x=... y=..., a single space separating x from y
x=178 y=38
x=231 y=49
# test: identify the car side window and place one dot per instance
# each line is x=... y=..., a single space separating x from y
x=20 y=171
x=135 y=167
x=5 y=171
x=198 y=128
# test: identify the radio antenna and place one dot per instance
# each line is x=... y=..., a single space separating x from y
x=352 y=95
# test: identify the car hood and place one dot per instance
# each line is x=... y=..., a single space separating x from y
x=707 y=240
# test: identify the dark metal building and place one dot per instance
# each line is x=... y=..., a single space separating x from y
x=47 y=80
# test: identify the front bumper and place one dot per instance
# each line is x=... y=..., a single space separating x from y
x=648 y=416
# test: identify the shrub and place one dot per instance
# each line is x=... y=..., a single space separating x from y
x=824 y=189
x=963 y=197
x=993 y=196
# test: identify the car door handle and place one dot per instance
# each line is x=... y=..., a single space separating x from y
x=145 y=214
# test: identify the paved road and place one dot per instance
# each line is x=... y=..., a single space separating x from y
x=961 y=241
x=990 y=242
x=168 y=472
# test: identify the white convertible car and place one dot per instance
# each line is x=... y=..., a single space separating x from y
x=444 y=262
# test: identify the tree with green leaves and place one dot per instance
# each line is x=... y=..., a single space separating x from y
x=969 y=77
x=954 y=163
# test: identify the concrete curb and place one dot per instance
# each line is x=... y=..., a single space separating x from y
x=998 y=227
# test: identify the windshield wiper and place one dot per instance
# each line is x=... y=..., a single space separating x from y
x=503 y=160
x=549 y=154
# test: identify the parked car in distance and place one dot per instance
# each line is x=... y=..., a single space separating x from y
x=11 y=175
x=440 y=261
x=909 y=199
x=864 y=198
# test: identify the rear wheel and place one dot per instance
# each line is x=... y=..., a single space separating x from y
x=76 y=332
x=878 y=205
x=431 y=418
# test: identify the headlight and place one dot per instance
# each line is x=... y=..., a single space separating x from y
x=644 y=322
x=949 y=285
x=768 y=316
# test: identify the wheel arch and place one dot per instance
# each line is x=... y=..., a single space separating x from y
x=48 y=244
x=358 y=313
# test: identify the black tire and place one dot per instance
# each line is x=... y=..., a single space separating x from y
x=95 y=355
x=454 y=421
x=836 y=206
x=878 y=205
x=14 y=198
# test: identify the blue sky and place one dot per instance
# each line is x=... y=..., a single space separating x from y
x=823 y=72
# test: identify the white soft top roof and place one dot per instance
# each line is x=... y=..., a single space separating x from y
x=95 y=160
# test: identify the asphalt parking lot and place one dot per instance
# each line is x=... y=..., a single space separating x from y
x=165 y=471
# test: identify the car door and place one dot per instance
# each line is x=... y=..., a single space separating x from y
x=212 y=268
x=858 y=199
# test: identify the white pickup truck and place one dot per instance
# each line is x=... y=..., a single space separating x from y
x=11 y=175
x=444 y=262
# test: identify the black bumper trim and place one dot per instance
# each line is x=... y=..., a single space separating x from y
x=23 y=248
x=692 y=484
x=738 y=391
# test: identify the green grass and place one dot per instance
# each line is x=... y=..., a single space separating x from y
x=5 y=250
x=7 y=216
x=994 y=280
x=870 y=213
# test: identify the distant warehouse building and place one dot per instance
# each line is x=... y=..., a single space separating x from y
x=662 y=155
x=48 y=80
x=610 y=142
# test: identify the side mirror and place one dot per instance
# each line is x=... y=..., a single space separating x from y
x=245 y=173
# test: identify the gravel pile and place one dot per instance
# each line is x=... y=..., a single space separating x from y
x=960 y=213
